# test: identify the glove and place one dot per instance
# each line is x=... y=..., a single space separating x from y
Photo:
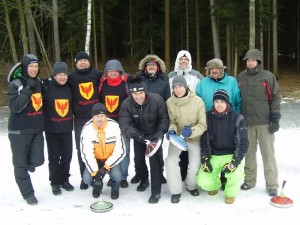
x=206 y=166
x=186 y=131
x=98 y=185
x=170 y=132
x=139 y=137
x=230 y=167
x=31 y=84
x=274 y=126
x=101 y=173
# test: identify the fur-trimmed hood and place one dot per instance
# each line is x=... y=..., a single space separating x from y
x=155 y=58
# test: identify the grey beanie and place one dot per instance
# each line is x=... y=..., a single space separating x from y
x=253 y=54
x=215 y=63
x=179 y=80
x=223 y=95
x=59 y=67
x=113 y=64
x=99 y=108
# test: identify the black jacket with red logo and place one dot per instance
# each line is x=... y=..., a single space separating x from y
x=26 y=107
x=58 y=111
x=84 y=84
x=112 y=97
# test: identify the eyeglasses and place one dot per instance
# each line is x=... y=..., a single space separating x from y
x=112 y=71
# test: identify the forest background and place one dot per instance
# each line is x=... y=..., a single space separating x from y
x=55 y=30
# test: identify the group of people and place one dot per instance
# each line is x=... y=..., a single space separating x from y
x=220 y=118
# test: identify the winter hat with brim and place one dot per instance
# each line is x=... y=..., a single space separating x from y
x=179 y=80
x=221 y=94
x=136 y=84
x=215 y=63
x=26 y=61
x=253 y=54
x=82 y=55
x=99 y=108
x=59 y=67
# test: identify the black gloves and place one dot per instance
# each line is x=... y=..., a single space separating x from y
x=139 y=137
x=101 y=173
x=170 y=132
x=206 y=166
x=230 y=167
x=98 y=179
x=274 y=122
x=31 y=83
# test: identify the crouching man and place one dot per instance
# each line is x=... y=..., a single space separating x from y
x=102 y=149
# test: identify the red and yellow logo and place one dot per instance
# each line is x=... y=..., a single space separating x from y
x=111 y=102
x=86 y=90
x=37 y=101
x=61 y=106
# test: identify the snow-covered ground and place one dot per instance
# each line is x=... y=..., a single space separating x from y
x=250 y=207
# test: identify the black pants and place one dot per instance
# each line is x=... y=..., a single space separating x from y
x=141 y=166
x=60 y=149
x=78 y=124
x=184 y=163
x=27 y=151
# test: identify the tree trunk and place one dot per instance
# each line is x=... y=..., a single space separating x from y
x=10 y=33
x=30 y=29
x=56 y=31
x=252 y=24
x=275 y=47
x=198 y=61
x=22 y=27
x=167 y=34
x=228 y=46
x=215 y=33
x=187 y=23
x=43 y=50
x=261 y=32
x=102 y=32
x=95 y=36
x=88 y=27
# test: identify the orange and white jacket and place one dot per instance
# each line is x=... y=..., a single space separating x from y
x=104 y=144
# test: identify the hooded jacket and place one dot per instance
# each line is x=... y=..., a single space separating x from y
x=26 y=106
x=260 y=92
x=193 y=77
x=157 y=83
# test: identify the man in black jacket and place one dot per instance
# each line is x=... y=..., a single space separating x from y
x=144 y=116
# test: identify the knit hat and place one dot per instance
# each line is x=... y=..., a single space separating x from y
x=82 y=55
x=59 y=67
x=26 y=60
x=253 y=54
x=222 y=95
x=179 y=80
x=136 y=84
x=99 y=108
x=215 y=63
x=113 y=64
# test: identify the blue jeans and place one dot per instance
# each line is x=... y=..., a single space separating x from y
x=114 y=174
x=124 y=164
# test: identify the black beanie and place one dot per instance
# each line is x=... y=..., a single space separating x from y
x=99 y=108
x=82 y=55
x=223 y=95
x=136 y=84
x=59 y=67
